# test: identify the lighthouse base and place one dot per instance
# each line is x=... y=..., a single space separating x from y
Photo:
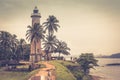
x=35 y=58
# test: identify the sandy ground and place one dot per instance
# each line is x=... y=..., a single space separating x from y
x=47 y=73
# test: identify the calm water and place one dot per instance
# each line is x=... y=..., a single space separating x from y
x=107 y=72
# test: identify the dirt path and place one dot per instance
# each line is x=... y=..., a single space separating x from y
x=47 y=73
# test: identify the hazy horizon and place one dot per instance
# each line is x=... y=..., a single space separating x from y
x=87 y=26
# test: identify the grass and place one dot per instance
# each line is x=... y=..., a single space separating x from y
x=77 y=72
x=62 y=73
x=67 y=63
x=9 y=75
x=17 y=75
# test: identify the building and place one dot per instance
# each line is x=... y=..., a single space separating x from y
x=35 y=52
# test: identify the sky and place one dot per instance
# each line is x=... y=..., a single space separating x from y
x=87 y=26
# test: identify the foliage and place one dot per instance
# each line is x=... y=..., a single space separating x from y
x=62 y=48
x=26 y=52
x=23 y=52
x=86 y=62
x=49 y=44
x=34 y=33
x=8 y=45
x=11 y=47
x=51 y=25
x=22 y=44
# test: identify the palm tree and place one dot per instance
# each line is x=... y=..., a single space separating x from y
x=62 y=48
x=34 y=34
x=22 y=43
x=49 y=45
x=51 y=25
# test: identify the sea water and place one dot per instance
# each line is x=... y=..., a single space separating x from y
x=107 y=72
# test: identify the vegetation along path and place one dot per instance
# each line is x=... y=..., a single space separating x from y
x=47 y=73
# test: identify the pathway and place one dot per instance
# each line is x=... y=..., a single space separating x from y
x=47 y=73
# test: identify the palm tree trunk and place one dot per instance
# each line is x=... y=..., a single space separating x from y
x=47 y=57
x=22 y=52
x=59 y=56
x=22 y=55
x=49 y=33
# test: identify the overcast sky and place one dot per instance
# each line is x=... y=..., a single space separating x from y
x=86 y=25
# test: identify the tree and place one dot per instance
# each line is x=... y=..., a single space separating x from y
x=49 y=45
x=35 y=34
x=14 y=47
x=26 y=51
x=5 y=43
x=62 y=48
x=22 y=44
x=8 y=46
x=51 y=25
x=86 y=62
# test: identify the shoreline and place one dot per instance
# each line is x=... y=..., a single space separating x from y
x=95 y=77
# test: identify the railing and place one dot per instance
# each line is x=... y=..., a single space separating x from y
x=35 y=14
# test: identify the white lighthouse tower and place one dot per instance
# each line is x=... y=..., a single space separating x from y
x=35 y=52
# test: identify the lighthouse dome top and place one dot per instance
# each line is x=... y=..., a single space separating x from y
x=35 y=10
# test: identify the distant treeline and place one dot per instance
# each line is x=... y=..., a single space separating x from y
x=116 y=55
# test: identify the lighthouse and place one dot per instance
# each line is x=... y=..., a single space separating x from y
x=35 y=16
x=35 y=51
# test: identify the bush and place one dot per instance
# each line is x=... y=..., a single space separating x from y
x=3 y=63
x=78 y=75
x=77 y=72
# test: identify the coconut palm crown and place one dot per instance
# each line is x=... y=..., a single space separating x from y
x=34 y=33
x=51 y=25
x=62 y=48
x=49 y=44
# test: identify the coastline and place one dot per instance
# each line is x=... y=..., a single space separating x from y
x=95 y=77
x=104 y=72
